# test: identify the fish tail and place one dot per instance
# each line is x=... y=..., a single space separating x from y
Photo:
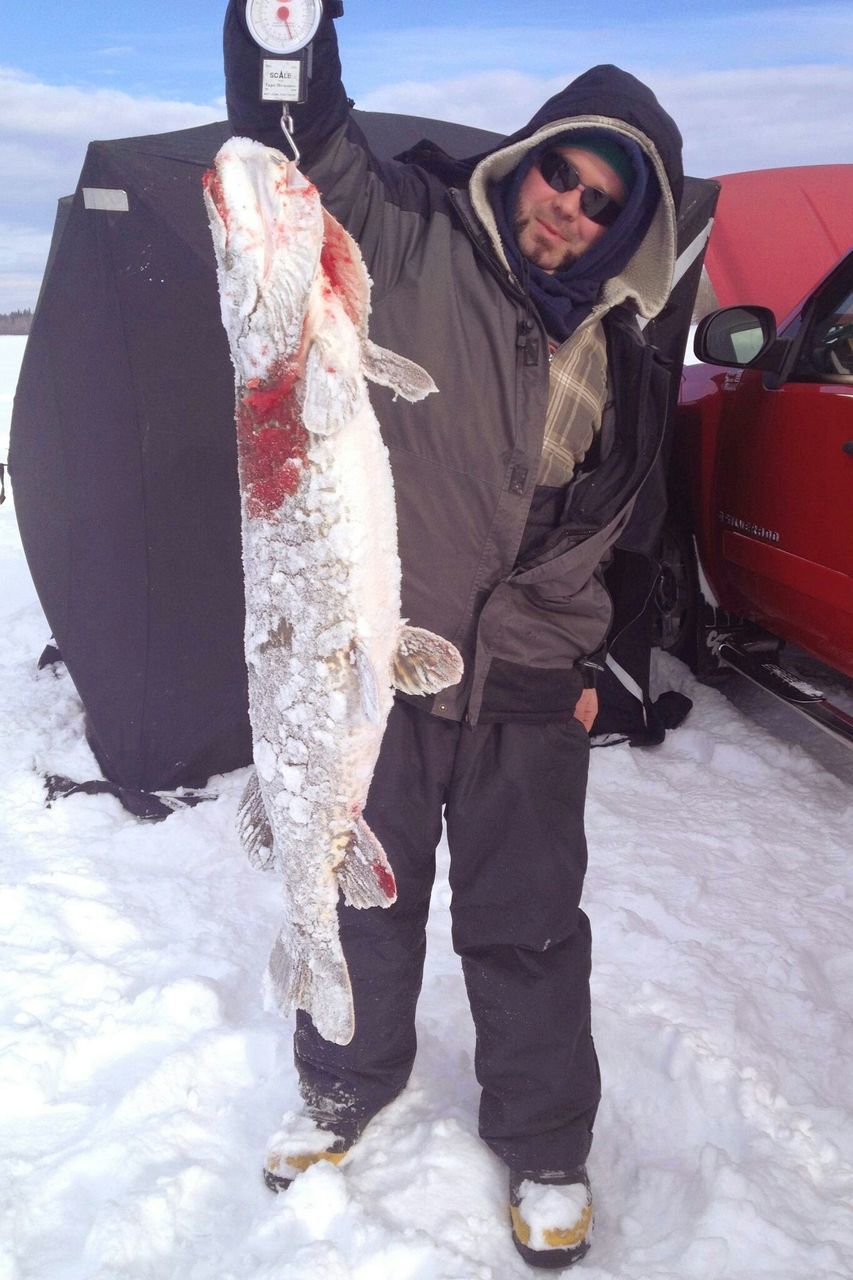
x=364 y=874
x=425 y=662
x=315 y=979
x=253 y=826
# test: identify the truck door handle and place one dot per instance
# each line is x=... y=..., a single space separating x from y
x=848 y=447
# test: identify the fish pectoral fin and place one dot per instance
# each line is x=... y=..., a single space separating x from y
x=364 y=874
x=404 y=377
x=425 y=662
x=333 y=390
x=253 y=826
x=304 y=976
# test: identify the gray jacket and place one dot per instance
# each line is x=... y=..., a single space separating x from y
x=465 y=461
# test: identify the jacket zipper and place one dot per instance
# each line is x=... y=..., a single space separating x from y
x=483 y=245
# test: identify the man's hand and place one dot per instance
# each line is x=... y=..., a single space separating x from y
x=587 y=708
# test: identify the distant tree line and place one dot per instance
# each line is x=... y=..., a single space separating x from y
x=16 y=322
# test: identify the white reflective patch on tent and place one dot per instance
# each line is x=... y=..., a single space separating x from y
x=110 y=199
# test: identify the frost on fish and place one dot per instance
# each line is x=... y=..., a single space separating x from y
x=325 y=644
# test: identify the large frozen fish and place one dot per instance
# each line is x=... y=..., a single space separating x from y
x=325 y=644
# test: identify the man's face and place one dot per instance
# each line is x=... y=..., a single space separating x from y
x=551 y=230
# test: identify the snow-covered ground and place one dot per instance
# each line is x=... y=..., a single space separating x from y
x=140 y=1076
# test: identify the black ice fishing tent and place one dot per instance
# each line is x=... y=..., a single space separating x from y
x=123 y=456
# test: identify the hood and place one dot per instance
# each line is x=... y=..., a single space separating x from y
x=609 y=98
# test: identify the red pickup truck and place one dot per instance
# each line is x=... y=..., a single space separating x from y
x=759 y=547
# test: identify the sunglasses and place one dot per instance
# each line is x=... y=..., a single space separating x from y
x=562 y=175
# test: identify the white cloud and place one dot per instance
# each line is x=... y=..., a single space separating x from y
x=44 y=132
x=763 y=118
x=731 y=120
x=753 y=89
x=704 y=39
x=498 y=100
x=19 y=243
x=32 y=109
x=23 y=251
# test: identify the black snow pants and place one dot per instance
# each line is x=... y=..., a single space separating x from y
x=513 y=798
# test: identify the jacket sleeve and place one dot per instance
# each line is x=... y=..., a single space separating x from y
x=385 y=205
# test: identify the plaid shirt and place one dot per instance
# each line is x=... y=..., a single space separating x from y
x=578 y=391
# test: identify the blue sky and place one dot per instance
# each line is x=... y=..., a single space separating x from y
x=144 y=49
x=753 y=85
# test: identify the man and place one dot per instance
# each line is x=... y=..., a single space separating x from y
x=515 y=281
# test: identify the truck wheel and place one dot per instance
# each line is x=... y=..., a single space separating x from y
x=676 y=595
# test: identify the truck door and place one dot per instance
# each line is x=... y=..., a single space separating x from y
x=785 y=481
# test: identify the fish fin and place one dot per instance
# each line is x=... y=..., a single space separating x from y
x=425 y=662
x=368 y=685
x=404 y=377
x=315 y=979
x=333 y=391
x=253 y=826
x=364 y=874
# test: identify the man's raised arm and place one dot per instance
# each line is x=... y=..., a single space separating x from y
x=314 y=120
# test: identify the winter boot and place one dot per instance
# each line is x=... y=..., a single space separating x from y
x=551 y=1217
x=299 y=1144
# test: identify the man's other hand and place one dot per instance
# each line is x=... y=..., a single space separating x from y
x=587 y=708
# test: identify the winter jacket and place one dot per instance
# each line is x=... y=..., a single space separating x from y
x=465 y=460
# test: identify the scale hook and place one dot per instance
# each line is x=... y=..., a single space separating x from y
x=287 y=130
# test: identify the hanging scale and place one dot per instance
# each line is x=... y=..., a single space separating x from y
x=284 y=30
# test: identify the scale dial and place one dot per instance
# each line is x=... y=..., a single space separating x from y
x=283 y=26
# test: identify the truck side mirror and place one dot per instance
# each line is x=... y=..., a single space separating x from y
x=739 y=336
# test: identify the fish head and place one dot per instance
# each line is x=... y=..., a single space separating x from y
x=267 y=227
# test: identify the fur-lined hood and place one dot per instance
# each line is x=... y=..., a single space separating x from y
x=604 y=98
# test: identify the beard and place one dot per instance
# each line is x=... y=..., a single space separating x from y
x=539 y=253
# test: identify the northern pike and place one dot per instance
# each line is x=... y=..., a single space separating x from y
x=325 y=643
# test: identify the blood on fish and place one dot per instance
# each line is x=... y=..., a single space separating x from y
x=270 y=473
x=272 y=442
x=336 y=263
x=212 y=184
x=385 y=879
x=271 y=401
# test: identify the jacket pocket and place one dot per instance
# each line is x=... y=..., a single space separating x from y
x=549 y=624
x=556 y=581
